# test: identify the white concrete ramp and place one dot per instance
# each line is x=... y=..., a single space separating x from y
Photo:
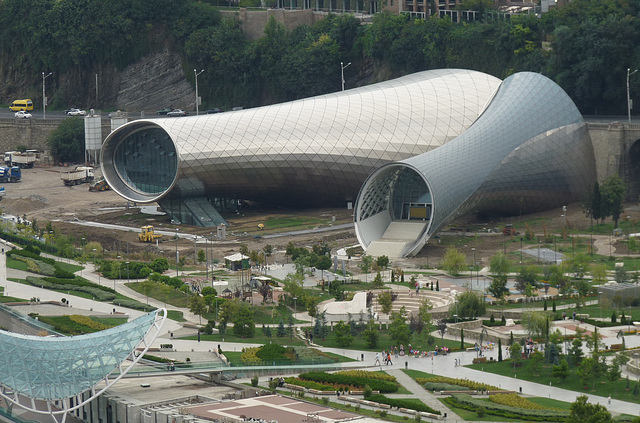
x=396 y=238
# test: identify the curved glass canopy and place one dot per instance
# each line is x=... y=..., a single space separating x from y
x=57 y=369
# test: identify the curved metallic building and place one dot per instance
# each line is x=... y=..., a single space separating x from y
x=57 y=375
x=528 y=151
x=311 y=152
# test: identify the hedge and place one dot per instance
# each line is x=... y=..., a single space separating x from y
x=476 y=386
x=78 y=282
x=434 y=386
x=134 y=304
x=367 y=374
x=329 y=378
x=467 y=402
x=94 y=291
x=401 y=403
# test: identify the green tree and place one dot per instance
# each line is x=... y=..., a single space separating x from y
x=424 y=312
x=499 y=264
x=66 y=142
x=528 y=275
x=365 y=264
x=377 y=281
x=535 y=322
x=342 y=332
x=561 y=371
x=370 y=334
x=537 y=358
x=323 y=263
x=382 y=262
x=399 y=329
x=281 y=332
x=587 y=371
x=470 y=304
x=454 y=261
x=197 y=306
x=385 y=301
x=515 y=351
x=201 y=256
x=576 y=353
x=243 y=325
x=293 y=284
x=498 y=287
x=583 y=412
x=613 y=191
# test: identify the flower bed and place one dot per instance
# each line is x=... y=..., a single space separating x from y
x=540 y=415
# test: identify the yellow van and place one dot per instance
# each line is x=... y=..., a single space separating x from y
x=18 y=105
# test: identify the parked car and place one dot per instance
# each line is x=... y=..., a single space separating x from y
x=164 y=111
x=214 y=110
x=22 y=115
x=177 y=112
x=76 y=112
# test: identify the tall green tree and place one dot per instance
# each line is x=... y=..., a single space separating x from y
x=399 y=329
x=66 y=142
x=454 y=261
x=342 y=332
x=243 y=325
x=370 y=334
x=583 y=412
x=613 y=191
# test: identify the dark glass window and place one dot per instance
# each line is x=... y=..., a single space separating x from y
x=147 y=161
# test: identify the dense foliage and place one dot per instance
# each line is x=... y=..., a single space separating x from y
x=469 y=403
x=402 y=403
x=586 y=46
x=346 y=379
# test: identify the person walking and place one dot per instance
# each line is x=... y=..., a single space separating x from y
x=377 y=362
x=389 y=359
x=609 y=400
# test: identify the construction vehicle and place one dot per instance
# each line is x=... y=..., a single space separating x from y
x=79 y=175
x=3 y=193
x=10 y=174
x=24 y=160
x=147 y=234
x=509 y=230
x=100 y=185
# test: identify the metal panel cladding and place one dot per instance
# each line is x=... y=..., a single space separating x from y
x=309 y=152
x=528 y=151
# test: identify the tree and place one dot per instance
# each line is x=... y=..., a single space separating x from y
x=587 y=371
x=515 y=351
x=293 y=284
x=386 y=302
x=243 y=325
x=66 y=142
x=398 y=329
x=424 y=313
x=268 y=250
x=370 y=334
x=377 y=281
x=528 y=276
x=613 y=191
x=470 y=304
x=561 y=371
x=201 y=256
x=498 y=287
x=576 y=352
x=197 y=306
x=499 y=350
x=365 y=264
x=499 y=264
x=323 y=263
x=583 y=412
x=535 y=322
x=537 y=358
x=454 y=261
x=343 y=334
x=442 y=329
x=281 y=330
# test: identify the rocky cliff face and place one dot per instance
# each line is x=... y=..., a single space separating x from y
x=155 y=82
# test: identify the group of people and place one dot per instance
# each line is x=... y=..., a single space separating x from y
x=386 y=357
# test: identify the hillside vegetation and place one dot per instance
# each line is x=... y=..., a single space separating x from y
x=586 y=47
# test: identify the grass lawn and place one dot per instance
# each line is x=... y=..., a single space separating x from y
x=73 y=268
x=602 y=387
x=176 y=315
x=4 y=299
x=17 y=264
x=259 y=338
x=473 y=416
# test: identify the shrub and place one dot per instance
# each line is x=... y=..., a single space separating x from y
x=476 y=386
x=325 y=400
x=254 y=381
x=329 y=378
x=134 y=304
x=401 y=403
x=481 y=411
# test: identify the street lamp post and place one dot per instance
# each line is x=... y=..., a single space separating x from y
x=44 y=97
x=472 y=267
x=196 y=73
x=94 y=266
x=177 y=256
x=127 y=263
x=343 y=67
x=629 y=103
x=295 y=307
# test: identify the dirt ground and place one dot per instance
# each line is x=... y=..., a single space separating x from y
x=41 y=195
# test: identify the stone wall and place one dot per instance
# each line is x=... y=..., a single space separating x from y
x=253 y=22
x=32 y=133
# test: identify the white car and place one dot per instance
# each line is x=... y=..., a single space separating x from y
x=177 y=112
x=22 y=115
x=76 y=112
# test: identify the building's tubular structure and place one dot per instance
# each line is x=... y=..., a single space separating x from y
x=48 y=375
x=310 y=152
x=528 y=151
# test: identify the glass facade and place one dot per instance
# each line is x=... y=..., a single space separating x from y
x=305 y=153
x=528 y=151
x=147 y=161
x=57 y=369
